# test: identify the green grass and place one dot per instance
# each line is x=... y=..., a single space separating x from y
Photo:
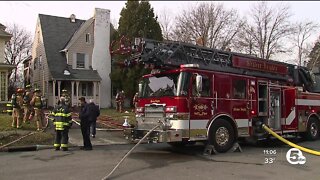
x=40 y=138
x=6 y=121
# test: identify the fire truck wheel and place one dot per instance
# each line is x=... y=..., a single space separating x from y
x=312 y=132
x=221 y=135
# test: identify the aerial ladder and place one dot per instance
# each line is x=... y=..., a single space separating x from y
x=171 y=54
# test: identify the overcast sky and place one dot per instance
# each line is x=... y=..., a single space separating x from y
x=25 y=13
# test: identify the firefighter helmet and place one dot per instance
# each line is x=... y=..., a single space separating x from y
x=37 y=90
x=19 y=90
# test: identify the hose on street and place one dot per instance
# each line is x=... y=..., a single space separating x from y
x=310 y=151
x=124 y=157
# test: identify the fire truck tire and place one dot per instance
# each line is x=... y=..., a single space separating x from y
x=313 y=129
x=221 y=135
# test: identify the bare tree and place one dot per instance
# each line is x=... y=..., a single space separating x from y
x=165 y=21
x=270 y=25
x=244 y=41
x=314 y=56
x=215 y=25
x=303 y=30
x=18 y=48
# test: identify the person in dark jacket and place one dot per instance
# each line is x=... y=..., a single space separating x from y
x=62 y=122
x=85 y=124
x=94 y=113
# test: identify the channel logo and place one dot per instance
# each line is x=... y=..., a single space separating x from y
x=295 y=156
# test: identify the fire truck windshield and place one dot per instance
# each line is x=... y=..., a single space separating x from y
x=174 y=84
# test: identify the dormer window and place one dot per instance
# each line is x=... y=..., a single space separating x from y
x=88 y=38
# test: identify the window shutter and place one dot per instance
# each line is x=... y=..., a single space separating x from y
x=86 y=61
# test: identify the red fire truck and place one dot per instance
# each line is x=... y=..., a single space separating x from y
x=202 y=94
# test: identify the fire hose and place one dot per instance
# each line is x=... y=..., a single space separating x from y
x=106 y=177
x=310 y=151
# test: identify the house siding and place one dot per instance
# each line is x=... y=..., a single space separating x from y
x=2 y=46
x=40 y=75
x=80 y=46
x=4 y=72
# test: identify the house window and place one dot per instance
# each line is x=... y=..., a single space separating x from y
x=205 y=87
x=88 y=38
x=40 y=61
x=80 y=60
x=239 y=89
x=35 y=63
x=3 y=86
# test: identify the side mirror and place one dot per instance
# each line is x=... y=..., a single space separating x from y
x=140 y=88
x=199 y=83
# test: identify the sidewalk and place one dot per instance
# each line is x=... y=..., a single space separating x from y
x=103 y=137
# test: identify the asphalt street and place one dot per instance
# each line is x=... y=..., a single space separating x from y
x=156 y=161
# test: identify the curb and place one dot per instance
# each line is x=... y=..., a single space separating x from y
x=42 y=147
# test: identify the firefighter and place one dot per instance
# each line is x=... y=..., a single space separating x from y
x=62 y=122
x=9 y=108
x=17 y=101
x=36 y=103
x=26 y=104
x=65 y=94
x=135 y=101
x=120 y=100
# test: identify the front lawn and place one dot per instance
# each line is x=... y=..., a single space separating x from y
x=9 y=134
x=6 y=121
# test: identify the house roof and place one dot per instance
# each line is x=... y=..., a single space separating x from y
x=78 y=33
x=3 y=32
x=56 y=32
x=7 y=66
x=79 y=74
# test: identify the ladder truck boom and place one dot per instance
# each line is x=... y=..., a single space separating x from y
x=173 y=54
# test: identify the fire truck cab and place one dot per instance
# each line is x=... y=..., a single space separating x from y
x=201 y=94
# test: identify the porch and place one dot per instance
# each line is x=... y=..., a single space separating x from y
x=76 y=89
